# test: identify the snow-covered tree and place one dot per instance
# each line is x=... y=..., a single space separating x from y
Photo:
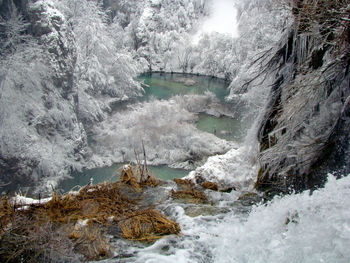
x=40 y=136
x=12 y=31
x=104 y=69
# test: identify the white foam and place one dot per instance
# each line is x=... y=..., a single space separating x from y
x=292 y=228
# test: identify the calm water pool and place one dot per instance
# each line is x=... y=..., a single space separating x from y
x=163 y=86
x=223 y=127
x=112 y=174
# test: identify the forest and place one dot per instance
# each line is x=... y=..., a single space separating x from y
x=249 y=98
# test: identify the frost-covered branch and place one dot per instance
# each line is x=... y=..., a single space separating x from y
x=13 y=29
x=303 y=120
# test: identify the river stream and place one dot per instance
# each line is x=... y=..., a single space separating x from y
x=234 y=227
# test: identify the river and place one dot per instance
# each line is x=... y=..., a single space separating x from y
x=235 y=227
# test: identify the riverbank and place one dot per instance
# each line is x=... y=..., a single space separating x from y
x=80 y=223
x=88 y=223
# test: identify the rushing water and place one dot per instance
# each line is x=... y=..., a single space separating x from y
x=290 y=229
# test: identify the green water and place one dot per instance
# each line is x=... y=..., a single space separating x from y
x=222 y=127
x=99 y=175
x=166 y=173
x=164 y=86
x=112 y=174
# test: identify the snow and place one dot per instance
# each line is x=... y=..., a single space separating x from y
x=126 y=167
x=222 y=19
x=156 y=2
x=229 y=170
x=165 y=126
x=39 y=128
x=49 y=11
x=43 y=124
x=147 y=13
x=26 y=201
x=48 y=136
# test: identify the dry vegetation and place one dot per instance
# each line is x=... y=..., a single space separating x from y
x=77 y=223
x=188 y=191
x=210 y=186
x=326 y=20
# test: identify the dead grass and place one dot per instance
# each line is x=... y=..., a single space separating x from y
x=6 y=213
x=91 y=241
x=210 y=186
x=27 y=241
x=183 y=182
x=138 y=177
x=98 y=207
x=188 y=192
x=147 y=225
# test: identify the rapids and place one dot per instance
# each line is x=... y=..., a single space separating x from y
x=294 y=228
x=234 y=227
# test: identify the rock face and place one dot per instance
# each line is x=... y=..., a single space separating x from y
x=59 y=75
x=305 y=131
x=41 y=135
x=50 y=27
x=335 y=157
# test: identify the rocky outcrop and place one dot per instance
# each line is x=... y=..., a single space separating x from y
x=304 y=134
x=41 y=135
x=49 y=26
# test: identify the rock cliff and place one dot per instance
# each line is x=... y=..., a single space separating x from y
x=41 y=135
x=305 y=131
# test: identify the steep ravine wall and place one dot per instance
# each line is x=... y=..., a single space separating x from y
x=305 y=132
x=41 y=135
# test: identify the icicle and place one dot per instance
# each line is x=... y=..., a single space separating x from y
x=286 y=51
x=302 y=51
